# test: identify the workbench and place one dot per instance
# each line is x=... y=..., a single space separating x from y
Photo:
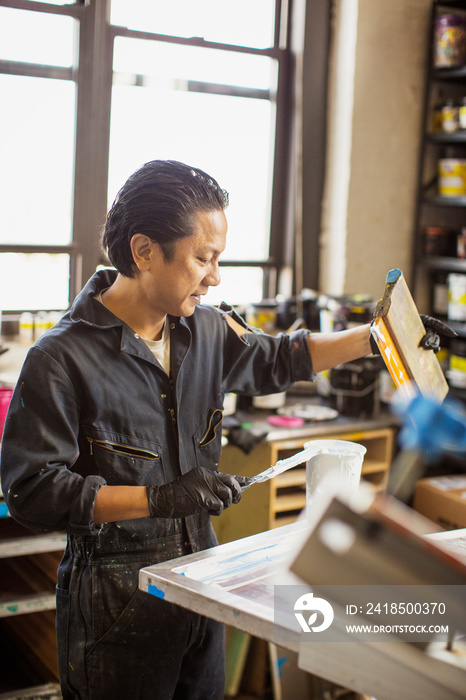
x=234 y=583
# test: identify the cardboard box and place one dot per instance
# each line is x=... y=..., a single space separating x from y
x=443 y=500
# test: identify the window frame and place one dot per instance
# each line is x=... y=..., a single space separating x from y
x=93 y=77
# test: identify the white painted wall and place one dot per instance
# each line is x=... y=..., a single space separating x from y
x=377 y=82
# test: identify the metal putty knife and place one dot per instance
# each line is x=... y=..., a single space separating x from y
x=281 y=466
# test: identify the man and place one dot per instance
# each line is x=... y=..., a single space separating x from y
x=114 y=435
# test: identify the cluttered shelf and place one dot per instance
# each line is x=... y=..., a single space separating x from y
x=256 y=422
x=28 y=575
x=28 y=567
x=442 y=201
x=439 y=227
x=447 y=263
x=443 y=138
x=449 y=74
x=33 y=544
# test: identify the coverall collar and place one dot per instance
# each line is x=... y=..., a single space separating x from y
x=87 y=309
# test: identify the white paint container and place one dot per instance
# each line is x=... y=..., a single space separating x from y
x=270 y=401
x=229 y=404
x=333 y=471
x=456 y=297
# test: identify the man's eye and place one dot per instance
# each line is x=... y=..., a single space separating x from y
x=205 y=260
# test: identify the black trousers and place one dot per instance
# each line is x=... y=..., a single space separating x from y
x=116 y=642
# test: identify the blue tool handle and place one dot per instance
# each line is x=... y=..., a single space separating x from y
x=433 y=429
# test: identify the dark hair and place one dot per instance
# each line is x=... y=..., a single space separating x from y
x=159 y=200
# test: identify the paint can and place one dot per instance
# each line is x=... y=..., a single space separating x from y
x=462 y=115
x=450 y=117
x=229 y=404
x=456 y=297
x=263 y=315
x=26 y=328
x=270 y=401
x=439 y=241
x=306 y=306
x=461 y=243
x=440 y=293
x=457 y=363
x=452 y=177
x=437 y=118
x=449 y=41
x=354 y=388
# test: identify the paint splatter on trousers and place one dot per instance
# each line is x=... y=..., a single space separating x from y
x=118 y=642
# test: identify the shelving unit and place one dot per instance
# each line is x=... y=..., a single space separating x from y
x=432 y=208
x=280 y=501
x=430 y=271
x=28 y=566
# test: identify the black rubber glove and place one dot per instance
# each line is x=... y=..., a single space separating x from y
x=434 y=329
x=197 y=490
x=243 y=481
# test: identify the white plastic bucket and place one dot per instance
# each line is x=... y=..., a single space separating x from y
x=269 y=401
x=334 y=470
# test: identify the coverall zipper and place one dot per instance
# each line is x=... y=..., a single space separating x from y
x=122 y=449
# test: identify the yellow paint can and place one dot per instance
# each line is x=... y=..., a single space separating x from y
x=452 y=177
x=456 y=297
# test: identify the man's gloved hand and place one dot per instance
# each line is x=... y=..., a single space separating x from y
x=431 y=339
x=198 y=489
x=434 y=329
x=243 y=481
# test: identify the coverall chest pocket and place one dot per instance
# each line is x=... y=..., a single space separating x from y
x=208 y=440
x=127 y=462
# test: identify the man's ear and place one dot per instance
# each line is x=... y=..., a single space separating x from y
x=142 y=250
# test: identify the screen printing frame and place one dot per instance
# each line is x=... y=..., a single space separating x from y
x=391 y=669
x=398 y=329
x=233 y=582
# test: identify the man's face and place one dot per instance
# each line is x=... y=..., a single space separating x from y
x=176 y=286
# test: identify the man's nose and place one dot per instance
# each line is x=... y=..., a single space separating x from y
x=212 y=278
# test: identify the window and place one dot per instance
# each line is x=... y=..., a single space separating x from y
x=235 y=22
x=206 y=107
x=203 y=81
x=37 y=127
x=209 y=103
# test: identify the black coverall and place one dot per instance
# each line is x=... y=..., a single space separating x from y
x=92 y=406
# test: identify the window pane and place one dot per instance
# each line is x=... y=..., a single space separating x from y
x=35 y=281
x=58 y=2
x=239 y=22
x=37 y=145
x=239 y=286
x=36 y=37
x=229 y=137
x=169 y=65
